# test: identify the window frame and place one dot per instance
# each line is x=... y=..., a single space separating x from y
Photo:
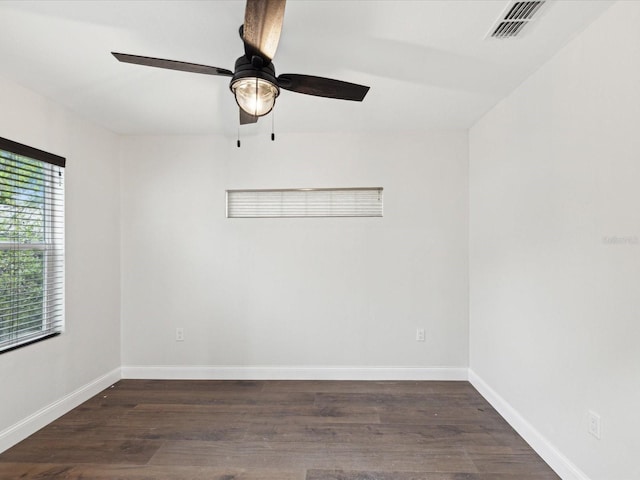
x=52 y=246
x=292 y=207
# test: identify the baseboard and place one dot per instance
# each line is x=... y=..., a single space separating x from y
x=549 y=453
x=212 y=372
x=34 y=422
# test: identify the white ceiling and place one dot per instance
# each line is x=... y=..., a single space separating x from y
x=428 y=63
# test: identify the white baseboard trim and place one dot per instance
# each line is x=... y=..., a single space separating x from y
x=549 y=453
x=213 y=372
x=34 y=422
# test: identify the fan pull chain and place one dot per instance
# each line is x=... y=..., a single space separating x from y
x=273 y=121
x=238 y=142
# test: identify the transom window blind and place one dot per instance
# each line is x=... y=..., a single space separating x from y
x=305 y=202
x=31 y=244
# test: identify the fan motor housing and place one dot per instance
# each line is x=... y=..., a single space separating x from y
x=245 y=68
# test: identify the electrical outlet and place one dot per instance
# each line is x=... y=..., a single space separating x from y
x=179 y=334
x=420 y=335
x=594 y=424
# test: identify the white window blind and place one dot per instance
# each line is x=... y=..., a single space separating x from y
x=305 y=202
x=31 y=245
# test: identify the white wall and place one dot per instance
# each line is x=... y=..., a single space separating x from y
x=554 y=305
x=294 y=292
x=39 y=375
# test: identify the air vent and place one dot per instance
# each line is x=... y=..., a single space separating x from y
x=516 y=18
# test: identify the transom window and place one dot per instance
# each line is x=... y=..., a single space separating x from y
x=305 y=202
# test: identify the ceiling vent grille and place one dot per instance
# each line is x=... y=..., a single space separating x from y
x=517 y=16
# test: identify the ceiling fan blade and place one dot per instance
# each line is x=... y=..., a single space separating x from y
x=262 y=27
x=172 y=64
x=322 y=87
x=246 y=118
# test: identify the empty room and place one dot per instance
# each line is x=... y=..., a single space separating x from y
x=320 y=240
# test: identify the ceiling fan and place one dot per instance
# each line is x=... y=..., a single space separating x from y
x=253 y=81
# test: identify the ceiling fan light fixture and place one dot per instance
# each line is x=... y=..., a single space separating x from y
x=256 y=96
x=253 y=80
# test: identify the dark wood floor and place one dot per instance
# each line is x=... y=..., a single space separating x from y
x=278 y=430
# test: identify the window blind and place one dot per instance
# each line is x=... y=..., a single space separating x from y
x=306 y=202
x=31 y=244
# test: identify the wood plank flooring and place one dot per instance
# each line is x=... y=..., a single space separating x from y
x=278 y=430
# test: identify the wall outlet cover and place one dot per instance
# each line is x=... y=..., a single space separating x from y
x=594 y=424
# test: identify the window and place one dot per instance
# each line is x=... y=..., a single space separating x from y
x=305 y=202
x=31 y=245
